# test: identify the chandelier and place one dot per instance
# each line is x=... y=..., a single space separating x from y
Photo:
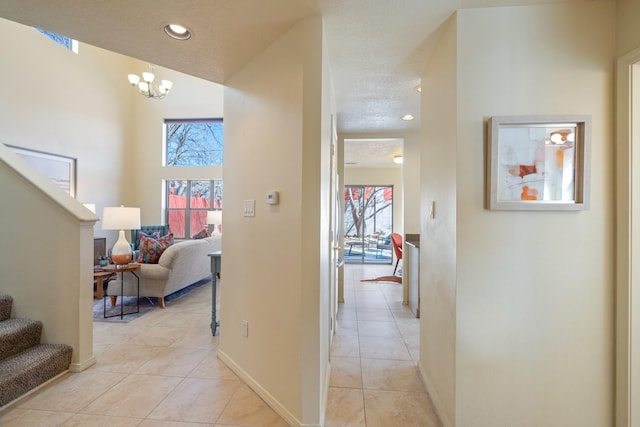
x=145 y=87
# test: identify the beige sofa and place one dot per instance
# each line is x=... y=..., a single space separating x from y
x=180 y=265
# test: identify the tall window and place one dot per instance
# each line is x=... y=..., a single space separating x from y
x=192 y=142
x=187 y=204
x=197 y=142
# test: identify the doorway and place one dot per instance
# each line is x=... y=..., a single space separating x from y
x=368 y=224
x=628 y=243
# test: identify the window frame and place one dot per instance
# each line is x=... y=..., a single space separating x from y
x=188 y=209
x=165 y=142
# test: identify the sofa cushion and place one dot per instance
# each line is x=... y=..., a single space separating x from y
x=151 y=249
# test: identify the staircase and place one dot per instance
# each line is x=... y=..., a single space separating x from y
x=24 y=362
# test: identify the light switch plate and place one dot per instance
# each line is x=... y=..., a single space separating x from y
x=249 y=208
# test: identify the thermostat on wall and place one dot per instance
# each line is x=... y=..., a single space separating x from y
x=272 y=198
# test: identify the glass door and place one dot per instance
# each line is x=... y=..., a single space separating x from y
x=368 y=223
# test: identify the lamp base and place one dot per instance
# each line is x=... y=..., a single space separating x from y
x=121 y=254
x=122 y=259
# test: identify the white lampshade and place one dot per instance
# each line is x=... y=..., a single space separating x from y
x=133 y=79
x=120 y=218
x=214 y=217
x=148 y=77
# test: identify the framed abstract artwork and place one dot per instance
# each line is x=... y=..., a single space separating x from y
x=59 y=169
x=538 y=162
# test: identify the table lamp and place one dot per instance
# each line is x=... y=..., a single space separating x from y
x=121 y=218
x=215 y=218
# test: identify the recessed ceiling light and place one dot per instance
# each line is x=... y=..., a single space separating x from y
x=397 y=159
x=178 y=32
x=407 y=117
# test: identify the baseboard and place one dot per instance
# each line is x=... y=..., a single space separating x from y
x=264 y=394
x=79 y=367
x=325 y=393
x=435 y=399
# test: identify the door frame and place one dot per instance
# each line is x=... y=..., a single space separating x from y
x=627 y=400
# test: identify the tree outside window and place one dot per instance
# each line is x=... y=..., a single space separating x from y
x=368 y=209
x=194 y=142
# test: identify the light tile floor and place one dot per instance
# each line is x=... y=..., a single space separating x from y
x=161 y=370
x=374 y=377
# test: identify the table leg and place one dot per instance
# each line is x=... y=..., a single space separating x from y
x=216 y=261
x=122 y=313
x=99 y=287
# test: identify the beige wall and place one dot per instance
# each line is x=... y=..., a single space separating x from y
x=275 y=263
x=534 y=304
x=438 y=235
x=67 y=104
x=190 y=98
x=628 y=30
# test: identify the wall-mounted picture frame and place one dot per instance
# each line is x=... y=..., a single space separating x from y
x=59 y=169
x=538 y=162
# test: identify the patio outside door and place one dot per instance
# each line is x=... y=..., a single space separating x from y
x=368 y=223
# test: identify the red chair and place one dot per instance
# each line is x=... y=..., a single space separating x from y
x=396 y=241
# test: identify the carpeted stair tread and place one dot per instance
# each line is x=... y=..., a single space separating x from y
x=16 y=335
x=29 y=369
x=6 y=301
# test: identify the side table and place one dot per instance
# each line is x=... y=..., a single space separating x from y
x=99 y=277
x=122 y=269
x=216 y=261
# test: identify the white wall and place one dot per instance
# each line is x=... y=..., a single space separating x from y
x=534 y=297
x=73 y=105
x=275 y=263
x=190 y=98
x=438 y=235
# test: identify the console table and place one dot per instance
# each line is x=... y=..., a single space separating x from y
x=216 y=261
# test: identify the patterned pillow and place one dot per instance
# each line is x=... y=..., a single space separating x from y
x=151 y=249
x=155 y=235
x=201 y=234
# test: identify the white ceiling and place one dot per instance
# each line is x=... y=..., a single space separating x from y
x=372 y=153
x=377 y=48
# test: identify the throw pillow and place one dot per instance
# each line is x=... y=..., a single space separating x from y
x=154 y=235
x=201 y=234
x=151 y=249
